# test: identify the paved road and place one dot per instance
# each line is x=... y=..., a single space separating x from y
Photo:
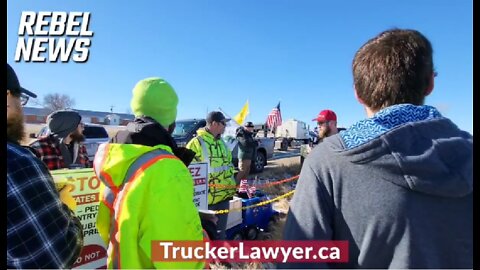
x=287 y=158
x=291 y=152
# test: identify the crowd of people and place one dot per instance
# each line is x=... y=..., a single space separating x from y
x=397 y=185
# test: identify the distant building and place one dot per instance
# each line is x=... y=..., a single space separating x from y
x=39 y=116
x=112 y=119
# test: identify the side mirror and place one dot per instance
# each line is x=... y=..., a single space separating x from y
x=32 y=135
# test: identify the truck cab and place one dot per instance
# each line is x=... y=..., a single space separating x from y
x=293 y=130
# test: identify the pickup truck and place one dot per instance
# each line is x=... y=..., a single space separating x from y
x=186 y=130
x=94 y=136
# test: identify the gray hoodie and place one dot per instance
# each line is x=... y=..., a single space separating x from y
x=402 y=198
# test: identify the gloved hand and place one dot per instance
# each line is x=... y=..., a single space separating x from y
x=67 y=198
x=184 y=154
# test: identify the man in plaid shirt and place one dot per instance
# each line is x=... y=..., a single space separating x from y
x=42 y=232
x=62 y=148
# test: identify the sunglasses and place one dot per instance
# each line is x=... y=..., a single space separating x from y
x=23 y=98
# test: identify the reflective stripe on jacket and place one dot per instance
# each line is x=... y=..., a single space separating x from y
x=147 y=194
x=221 y=171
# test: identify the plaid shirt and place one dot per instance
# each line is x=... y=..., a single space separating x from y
x=48 y=150
x=41 y=231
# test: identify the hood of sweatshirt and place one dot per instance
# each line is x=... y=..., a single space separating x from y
x=414 y=147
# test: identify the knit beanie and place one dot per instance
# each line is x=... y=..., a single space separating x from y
x=62 y=123
x=154 y=97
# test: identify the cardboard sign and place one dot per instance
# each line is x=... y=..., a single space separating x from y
x=87 y=195
x=199 y=173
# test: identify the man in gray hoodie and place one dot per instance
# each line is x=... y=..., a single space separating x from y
x=398 y=185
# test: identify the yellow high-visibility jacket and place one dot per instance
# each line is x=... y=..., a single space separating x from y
x=221 y=171
x=146 y=195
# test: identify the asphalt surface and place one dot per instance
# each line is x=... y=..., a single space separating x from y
x=291 y=152
x=284 y=158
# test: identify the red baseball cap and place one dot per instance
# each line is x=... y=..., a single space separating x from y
x=325 y=115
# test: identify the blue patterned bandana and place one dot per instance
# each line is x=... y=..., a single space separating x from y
x=385 y=120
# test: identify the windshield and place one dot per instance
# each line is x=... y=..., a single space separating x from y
x=93 y=132
x=182 y=128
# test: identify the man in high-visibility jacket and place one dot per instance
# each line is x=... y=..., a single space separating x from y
x=209 y=147
x=147 y=189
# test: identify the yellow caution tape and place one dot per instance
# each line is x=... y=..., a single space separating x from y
x=226 y=211
x=259 y=186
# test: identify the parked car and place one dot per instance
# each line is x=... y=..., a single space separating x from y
x=185 y=130
x=94 y=135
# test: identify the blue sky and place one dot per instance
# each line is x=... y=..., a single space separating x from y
x=221 y=53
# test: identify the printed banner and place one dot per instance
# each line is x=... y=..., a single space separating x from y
x=86 y=194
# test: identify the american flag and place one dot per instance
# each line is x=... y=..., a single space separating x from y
x=251 y=191
x=243 y=186
x=274 y=118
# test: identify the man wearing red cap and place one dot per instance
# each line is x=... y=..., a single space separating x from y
x=327 y=124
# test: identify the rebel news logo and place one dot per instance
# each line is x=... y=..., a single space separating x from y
x=53 y=36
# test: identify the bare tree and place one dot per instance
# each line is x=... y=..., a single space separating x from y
x=57 y=101
x=35 y=102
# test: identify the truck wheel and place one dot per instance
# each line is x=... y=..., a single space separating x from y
x=290 y=140
x=259 y=163
x=284 y=144
x=252 y=233
x=273 y=223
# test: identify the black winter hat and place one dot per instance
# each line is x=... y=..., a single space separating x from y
x=63 y=123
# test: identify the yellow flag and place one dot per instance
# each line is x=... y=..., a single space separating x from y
x=240 y=117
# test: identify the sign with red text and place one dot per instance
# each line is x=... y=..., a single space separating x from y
x=199 y=173
x=86 y=193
